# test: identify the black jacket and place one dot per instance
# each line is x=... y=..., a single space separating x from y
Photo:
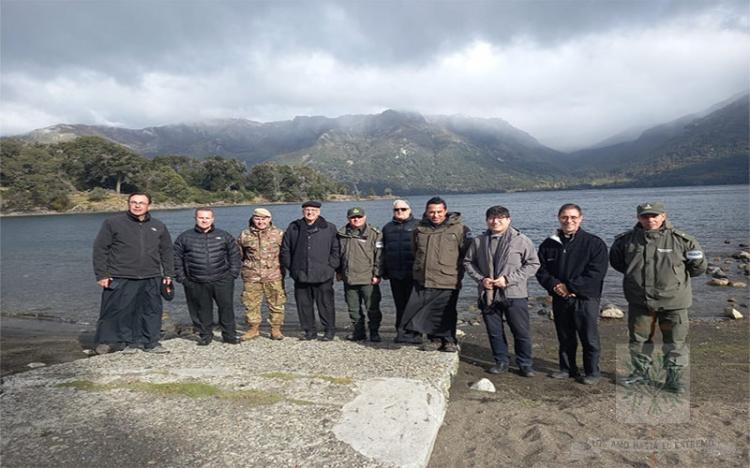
x=581 y=264
x=398 y=252
x=204 y=257
x=129 y=248
x=310 y=253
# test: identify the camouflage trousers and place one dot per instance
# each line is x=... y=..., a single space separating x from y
x=642 y=325
x=252 y=297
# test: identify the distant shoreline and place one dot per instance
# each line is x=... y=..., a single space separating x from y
x=182 y=206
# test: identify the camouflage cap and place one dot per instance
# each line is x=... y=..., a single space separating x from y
x=651 y=208
x=261 y=213
x=356 y=211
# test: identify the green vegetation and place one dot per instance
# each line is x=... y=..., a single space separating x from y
x=189 y=389
x=37 y=176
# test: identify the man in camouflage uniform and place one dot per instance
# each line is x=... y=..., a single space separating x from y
x=262 y=274
x=658 y=262
x=361 y=247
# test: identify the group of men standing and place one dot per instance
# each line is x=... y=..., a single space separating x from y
x=424 y=261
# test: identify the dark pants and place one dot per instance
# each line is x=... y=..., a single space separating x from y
x=577 y=316
x=401 y=290
x=516 y=313
x=320 y=294
x=200 y=301
x=367 y=295
x=432 y=311
x=130 y=313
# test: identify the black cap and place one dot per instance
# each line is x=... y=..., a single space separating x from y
x=312 y=203
x=167 y=291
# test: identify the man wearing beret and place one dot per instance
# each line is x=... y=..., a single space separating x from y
x=262 y=275
x=310 y=253
x=361 y=247
x=657 y=261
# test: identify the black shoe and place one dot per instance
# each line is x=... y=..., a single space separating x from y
x=307 y=336
x=326 y=337
x=588 y=380
x=430 y=345
x=526 y=372
x=498 y=368
x=234 y=340
x=356 y=336
x=205 y=341
x=562 y=375
x=406 y=339
x=375 y=336
x=449 y=347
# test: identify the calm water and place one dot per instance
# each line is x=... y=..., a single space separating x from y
x=46 y=260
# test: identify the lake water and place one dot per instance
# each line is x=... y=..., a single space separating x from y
x=46 y=268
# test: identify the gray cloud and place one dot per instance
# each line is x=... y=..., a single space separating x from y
x=540 y=65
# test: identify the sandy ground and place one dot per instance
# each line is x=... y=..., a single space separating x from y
x=539 y=421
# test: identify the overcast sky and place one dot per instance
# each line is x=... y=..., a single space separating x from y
x=570 y=73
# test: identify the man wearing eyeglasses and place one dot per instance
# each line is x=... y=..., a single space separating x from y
x=132 y=257
x=501 y=260
x=573 y=266
x=361 y=247
x=398 y=261
x=657 y=262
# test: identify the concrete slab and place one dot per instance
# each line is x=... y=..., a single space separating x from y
x=262 y=403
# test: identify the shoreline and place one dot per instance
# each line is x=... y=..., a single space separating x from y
x=183 y=206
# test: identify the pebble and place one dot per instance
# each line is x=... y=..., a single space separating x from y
x=34 y=365
x=718 y=282
x=719 y=273
x=737 y=284
x=611 y=311
x=484 y=385
x=732 y=313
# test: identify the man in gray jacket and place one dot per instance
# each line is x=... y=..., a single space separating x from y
x=501 y=260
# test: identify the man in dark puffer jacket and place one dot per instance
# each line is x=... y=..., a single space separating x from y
x=207 y=261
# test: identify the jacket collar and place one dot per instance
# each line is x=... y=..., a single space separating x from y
x=211 y=229
x=146 y=217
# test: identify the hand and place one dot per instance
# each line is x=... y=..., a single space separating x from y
x=487 y=283
x=166 y=280
x=338 y=276
x=104 y=282
x=561 y=290
x=375 y=280
x=501 y=282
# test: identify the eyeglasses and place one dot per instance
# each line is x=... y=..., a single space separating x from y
x=401 y=209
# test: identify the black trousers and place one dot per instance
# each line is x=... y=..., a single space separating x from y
x=401 y=290
x=432 y=311
x=516 y=313
x=200 y=301
x=307 y=295
x=577 y=316
x=130 y=313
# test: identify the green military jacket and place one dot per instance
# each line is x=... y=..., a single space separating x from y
x=260 y=254
x=360 y=254
x=657 y=266
x=439 y=252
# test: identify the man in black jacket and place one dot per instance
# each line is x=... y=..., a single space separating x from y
x=398 y=262
x=132 y=259
x=207 y=261
x=310 y=253
x=573 y=266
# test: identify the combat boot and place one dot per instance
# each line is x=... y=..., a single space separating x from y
x=375 y=335
x=276 y=332
x=673 y=383
x=358 y=332
x=252 y=333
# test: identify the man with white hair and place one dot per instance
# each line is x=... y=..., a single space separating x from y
x=398 y=262
x=262 y=274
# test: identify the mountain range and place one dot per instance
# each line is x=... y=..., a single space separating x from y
x=407 y=152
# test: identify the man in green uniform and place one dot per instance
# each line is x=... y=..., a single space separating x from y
x=657 y=261
x=361 y=248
